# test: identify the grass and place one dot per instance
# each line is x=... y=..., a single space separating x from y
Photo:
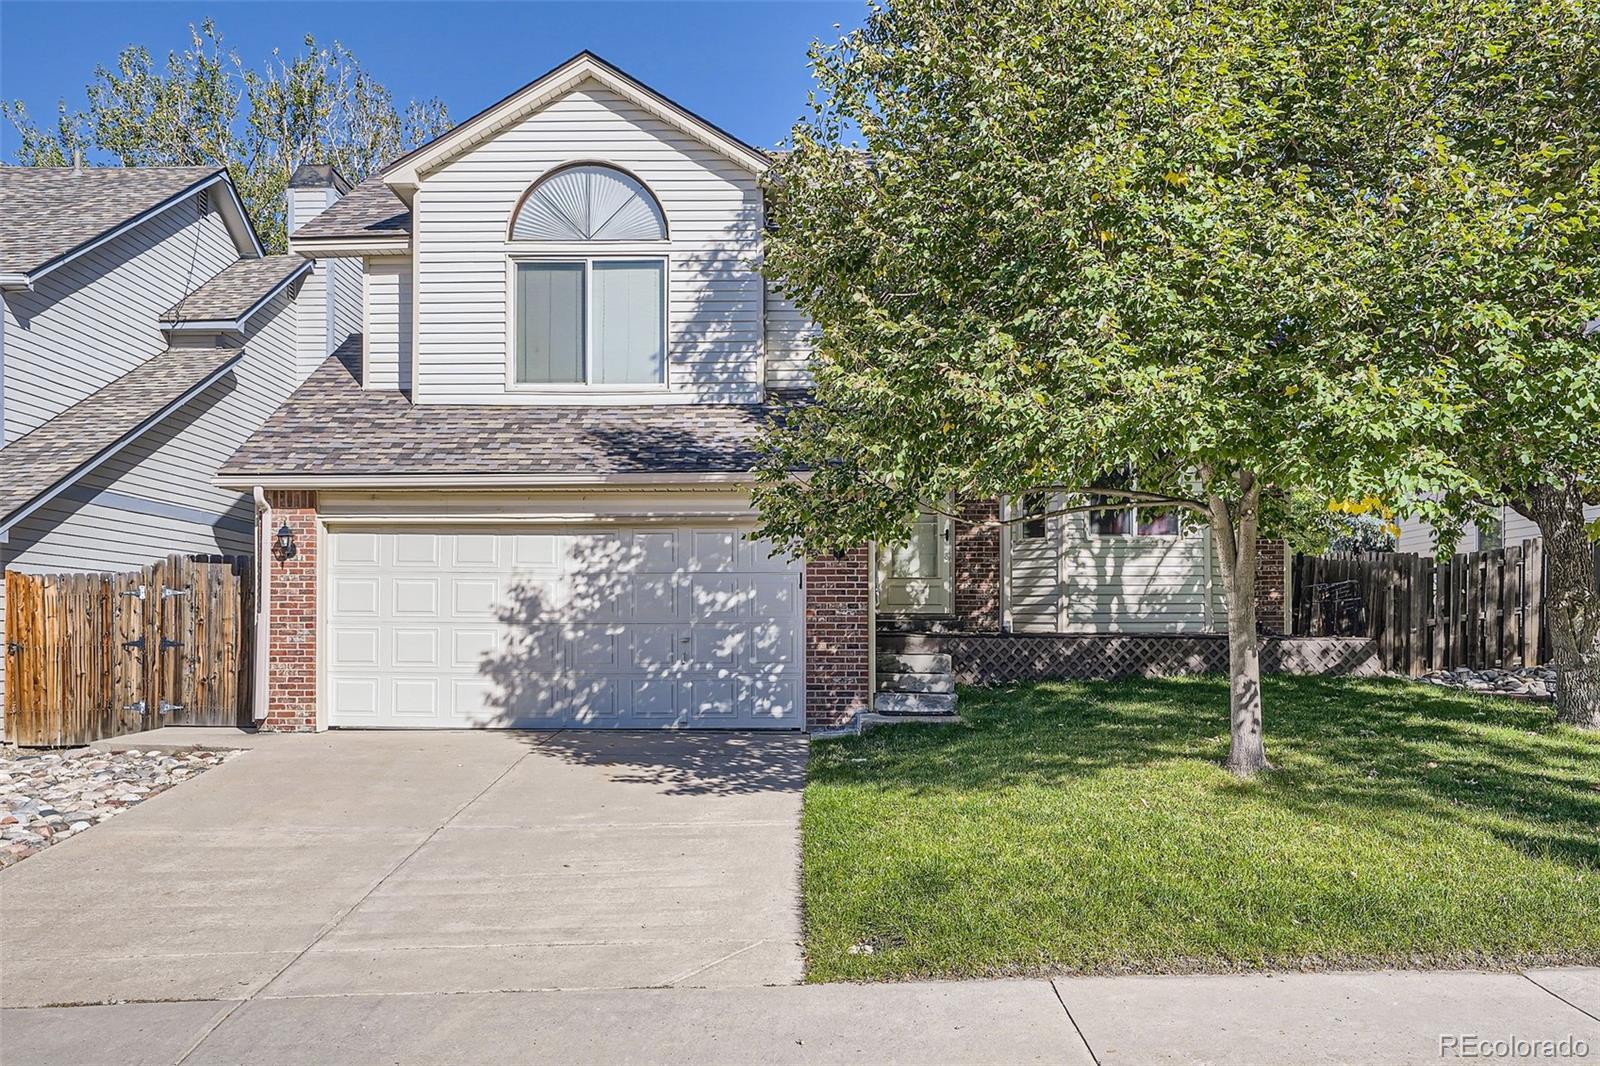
x=1074 y=827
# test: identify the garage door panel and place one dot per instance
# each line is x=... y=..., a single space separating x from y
x=649 y=627
x=415 y=549
x=414 y=597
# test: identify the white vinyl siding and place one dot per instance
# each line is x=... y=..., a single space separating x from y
x=1073 y=581
x=330 y=296
x=1417 y=537
x=789 y=335
x=388 y=333
x=97 y=317
x=713 y=210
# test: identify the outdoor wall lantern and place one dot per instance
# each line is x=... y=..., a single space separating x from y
x=285 y=542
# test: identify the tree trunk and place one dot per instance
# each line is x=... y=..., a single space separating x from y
x=1234 y=534
x=1572 y=605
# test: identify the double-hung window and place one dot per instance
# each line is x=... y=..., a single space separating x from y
x=1119 y=518
x=589 y=282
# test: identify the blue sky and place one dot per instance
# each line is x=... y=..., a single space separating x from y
x=740 y=65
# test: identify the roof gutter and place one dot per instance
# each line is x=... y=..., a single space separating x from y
x=476 y=481
x=340 y=247
x=16 y=281
x=83 y=468
x=263 y=634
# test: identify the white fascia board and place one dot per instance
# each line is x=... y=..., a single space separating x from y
x=83 y=468
x=350 y=247
x=377 y=482
x=409 y=171
x=16 y=281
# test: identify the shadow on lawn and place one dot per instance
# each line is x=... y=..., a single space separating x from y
x=1380 y=749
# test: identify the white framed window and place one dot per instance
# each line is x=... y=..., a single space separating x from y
x=588 y=283
x=1119 y=518
x=589 y=321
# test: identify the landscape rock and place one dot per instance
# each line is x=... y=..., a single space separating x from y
x=1528 y=683
x=46 y=797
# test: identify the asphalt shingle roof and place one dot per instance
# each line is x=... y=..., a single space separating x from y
x=332 y=426
x=46 y=212
x=236 y=290
x=86 y=432
x=371 y=209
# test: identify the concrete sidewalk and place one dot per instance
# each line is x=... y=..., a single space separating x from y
x=1389 y=1017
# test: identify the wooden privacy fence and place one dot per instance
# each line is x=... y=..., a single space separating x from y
x=1481 y=609
x=90 y=656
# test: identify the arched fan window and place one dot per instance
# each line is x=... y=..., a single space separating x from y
x=597 y=315
x=589 y=203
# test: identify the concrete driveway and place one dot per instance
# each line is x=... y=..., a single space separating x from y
x=398 y=863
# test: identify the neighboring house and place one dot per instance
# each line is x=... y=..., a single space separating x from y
x=522 y=498
x=145 y=335
x=1503 y=528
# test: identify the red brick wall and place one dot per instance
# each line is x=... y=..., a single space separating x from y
x=1272 y=585
x=838 y=638
x=292 y=625
x=977 y=565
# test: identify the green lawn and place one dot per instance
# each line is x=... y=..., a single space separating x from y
x=1090 y=827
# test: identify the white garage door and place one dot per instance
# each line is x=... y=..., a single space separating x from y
x=622 y=628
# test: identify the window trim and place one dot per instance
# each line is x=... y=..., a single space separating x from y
x=567 y=253
x=1132 y=509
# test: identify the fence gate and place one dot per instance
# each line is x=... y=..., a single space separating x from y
x=90 y=656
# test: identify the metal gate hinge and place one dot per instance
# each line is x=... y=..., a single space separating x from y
x=168 y=708
x=137 y=593
x=167 y=593
x=13 y=647
x=136 y=642
x=165 y=643
x=136 y=708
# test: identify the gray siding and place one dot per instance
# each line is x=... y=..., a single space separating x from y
x=94 y=319
x=1071 y=581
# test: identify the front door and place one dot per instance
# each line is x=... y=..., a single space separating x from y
x=914 y=577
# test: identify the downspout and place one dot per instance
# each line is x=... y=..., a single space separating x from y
x=258 y=697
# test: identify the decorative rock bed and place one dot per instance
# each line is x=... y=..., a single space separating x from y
x=1528 y=683
x=46 y=797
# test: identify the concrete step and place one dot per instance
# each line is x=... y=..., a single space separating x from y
x=915 y=682
x=914 y=703
x=877 y=721
x=909 y=643
x=915 y=663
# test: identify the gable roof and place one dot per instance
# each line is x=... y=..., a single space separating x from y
x=35 y=467
x=228 y=299
x=53 y=214
x=332 y=428
x=369 y=212
x=407 y=172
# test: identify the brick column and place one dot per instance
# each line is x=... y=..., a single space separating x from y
x=838 y=638
x=292 y=652
x=977 y=565
x=1272 y=585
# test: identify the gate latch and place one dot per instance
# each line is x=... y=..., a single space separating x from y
x=167 y=593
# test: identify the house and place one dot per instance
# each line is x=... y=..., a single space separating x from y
x=145 y=336
x=1502 y=528
x=521 y=497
